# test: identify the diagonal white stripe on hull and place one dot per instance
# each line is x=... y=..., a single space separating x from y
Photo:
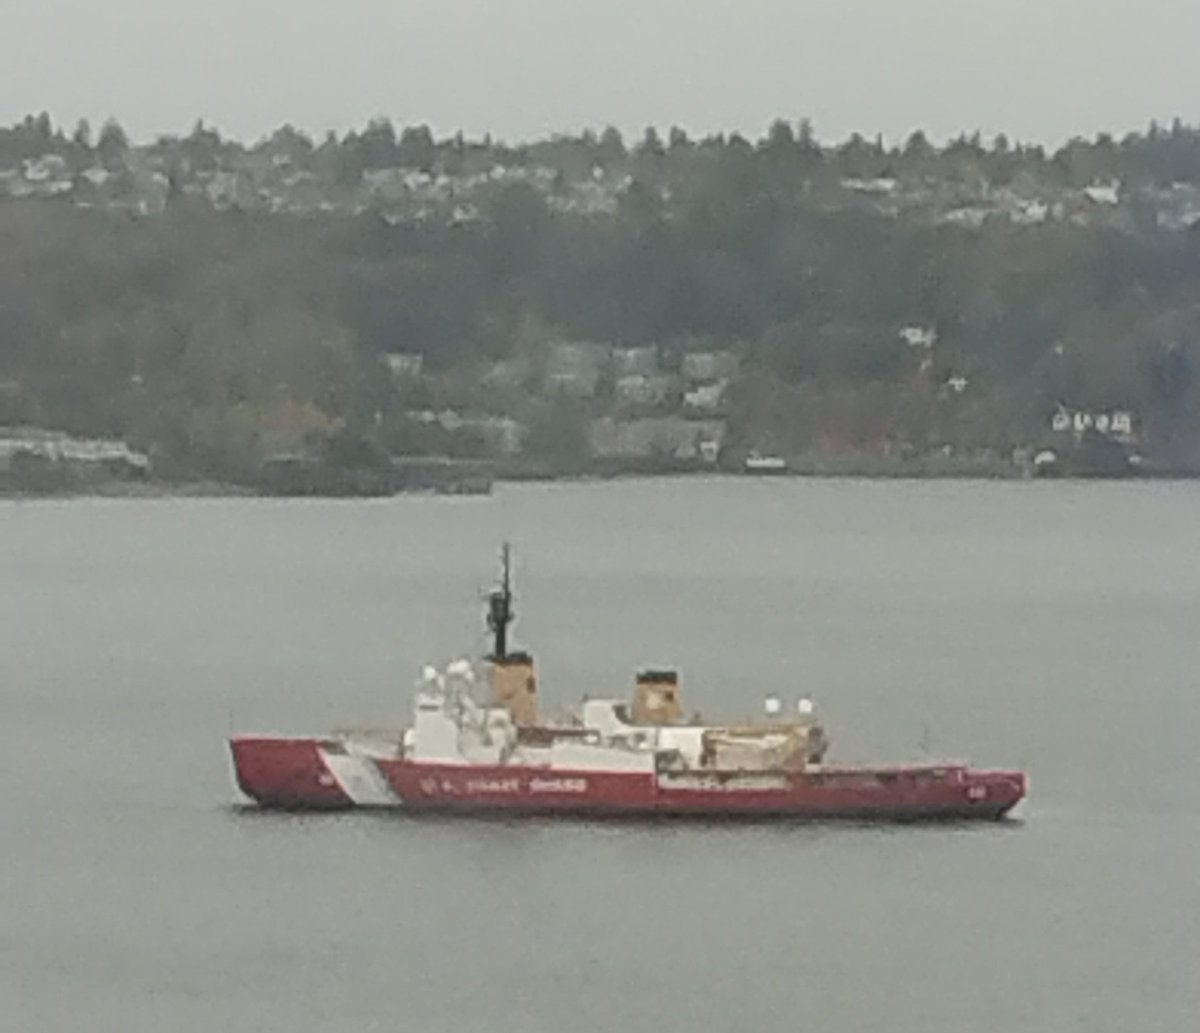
x=359 y=779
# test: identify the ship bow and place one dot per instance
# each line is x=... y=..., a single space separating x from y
x=286 y=773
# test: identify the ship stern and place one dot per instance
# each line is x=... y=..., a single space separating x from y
x=995 y=793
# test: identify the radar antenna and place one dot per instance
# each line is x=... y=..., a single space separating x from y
x=500 y=610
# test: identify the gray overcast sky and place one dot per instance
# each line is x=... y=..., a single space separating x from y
x=1037 y=69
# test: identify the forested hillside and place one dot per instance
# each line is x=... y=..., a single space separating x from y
x=215 y=304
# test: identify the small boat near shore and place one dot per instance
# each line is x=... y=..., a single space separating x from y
x=757 y=463
x=477 y=744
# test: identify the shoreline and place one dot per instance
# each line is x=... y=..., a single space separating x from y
x=208 y=489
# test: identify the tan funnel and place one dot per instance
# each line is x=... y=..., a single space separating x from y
x=656 y=698
x=514 y=685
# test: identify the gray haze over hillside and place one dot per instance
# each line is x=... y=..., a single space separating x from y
x=1037 y=69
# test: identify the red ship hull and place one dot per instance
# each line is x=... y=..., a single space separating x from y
x=316 y=774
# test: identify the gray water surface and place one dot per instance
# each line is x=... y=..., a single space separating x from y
x=1052 y=626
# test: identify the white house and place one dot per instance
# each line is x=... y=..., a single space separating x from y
x=639 y=389
x=706 y=398
x=1103 y=193
x=919 y=336
x=880 y=185
x=970 y=217
x=573 y=368
x=1116 y=423
x=700 y=366
x=97 y=175
x=58 y=447
x=46 y=168
x=1029 y=213
x=1120 y=425
x=404 y=365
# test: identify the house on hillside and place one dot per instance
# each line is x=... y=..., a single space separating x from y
x=700 y=367
x=706 y=398
x=628 y=362
x=389 y=184
x=506 y=374
x=884 y=185
x=229 y=189
x=968 y=216
x=96 y=175
x=1117 y=424
x=1103 y=193
x=46 y=169
x=642 y=389
x=664 y=437
x=47 y=176
x=1177 y=207
x=1028 y=213
x=923 y=337
x=33 y=458
x=573 y=368
x=404 y=366
x=499 y=435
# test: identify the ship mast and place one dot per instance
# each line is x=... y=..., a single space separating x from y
x=500 y=611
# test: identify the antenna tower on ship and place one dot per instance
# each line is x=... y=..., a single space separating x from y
x=500 y=609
